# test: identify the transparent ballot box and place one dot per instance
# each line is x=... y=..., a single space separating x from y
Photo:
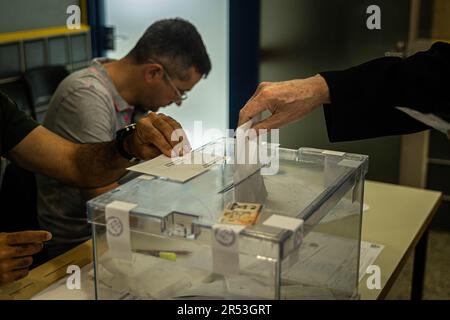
x=288 y=227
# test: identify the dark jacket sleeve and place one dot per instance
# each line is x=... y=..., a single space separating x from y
x=15 y=125
x=363 y=98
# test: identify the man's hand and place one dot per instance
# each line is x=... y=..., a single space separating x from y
x=155 y=134
x=288 y=101
x=93 y=165
x=16 y=250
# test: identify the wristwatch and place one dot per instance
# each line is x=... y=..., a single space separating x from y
x=120 y=139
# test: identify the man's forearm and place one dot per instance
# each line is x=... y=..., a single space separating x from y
x=91 y=165
x=89 y=193
x=97 y=165
x=82 y=165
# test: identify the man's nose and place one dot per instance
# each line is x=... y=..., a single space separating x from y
x=178 y=103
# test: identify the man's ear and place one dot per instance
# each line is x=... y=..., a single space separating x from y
x=153 y=71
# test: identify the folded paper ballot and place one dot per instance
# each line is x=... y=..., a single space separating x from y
x=179 y=169
x=246 y=126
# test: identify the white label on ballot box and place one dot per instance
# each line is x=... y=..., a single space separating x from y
x=225 y=248
x=289 y=223
x=117 y=216
x=349 y=163
x=333 y=153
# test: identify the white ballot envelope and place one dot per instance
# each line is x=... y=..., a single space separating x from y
x=179 y=169
x=429 y=119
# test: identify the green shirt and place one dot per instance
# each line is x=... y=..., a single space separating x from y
x=14 y=124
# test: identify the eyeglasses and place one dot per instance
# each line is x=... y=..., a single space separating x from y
x=181 y=96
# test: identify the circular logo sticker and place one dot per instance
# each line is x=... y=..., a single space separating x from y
x=225 y=236
x=114 y=226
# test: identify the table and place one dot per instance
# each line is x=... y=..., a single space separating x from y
x=398 y=218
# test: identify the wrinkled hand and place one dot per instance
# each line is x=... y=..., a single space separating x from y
x=16 y=250
x=288 y=101
x=157 y=133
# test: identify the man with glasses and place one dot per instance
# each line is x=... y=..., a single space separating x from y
x=181 y=94
x=26 y=143
x=90 y=105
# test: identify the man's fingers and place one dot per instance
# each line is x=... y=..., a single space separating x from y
x=144 y=142
x=273 y=122
x=27 y=249
x=178 y=129
x=15 y=264
x=164 y=128
x=21 y=263
x=171 y=121
x=160 y=142
x=13 y=275
x=252 y=108
x=27 y=237
x=148 y=135
x=245 y=114
x=156 y=130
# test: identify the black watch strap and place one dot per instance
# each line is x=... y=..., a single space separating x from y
x=120 y=139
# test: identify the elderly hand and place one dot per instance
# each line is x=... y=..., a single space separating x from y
x=16 y=250
x=155 y=134
x=288 y=101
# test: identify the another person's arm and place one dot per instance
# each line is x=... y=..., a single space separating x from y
x=360 y=102
x=363 y=98
x=287 y=101
x=419 y=82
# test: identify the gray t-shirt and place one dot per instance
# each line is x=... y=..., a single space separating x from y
x=85 y=108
